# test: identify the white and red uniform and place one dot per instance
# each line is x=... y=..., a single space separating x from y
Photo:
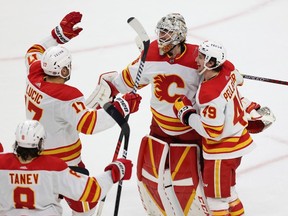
x=157 y=159
x=33 y=188
x=168 y=80
x=61 y=109
x=222 y=123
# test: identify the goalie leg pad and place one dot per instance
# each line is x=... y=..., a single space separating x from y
x=154 y=181
x=173 y=185
x=187 y=178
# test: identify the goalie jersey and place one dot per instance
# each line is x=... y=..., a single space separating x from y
x=33 y=188
x=169 y=79
x=61 y=109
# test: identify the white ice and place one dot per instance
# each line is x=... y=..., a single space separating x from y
x=254 y=32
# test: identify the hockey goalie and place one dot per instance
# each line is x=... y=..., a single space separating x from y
x=168 y=170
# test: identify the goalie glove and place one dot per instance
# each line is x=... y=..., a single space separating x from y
x=104 y=92
x=66 y=30
x=121 y=169
x=183 y=109
x=129 y=103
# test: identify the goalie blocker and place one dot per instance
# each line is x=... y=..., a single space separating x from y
x=174 y=190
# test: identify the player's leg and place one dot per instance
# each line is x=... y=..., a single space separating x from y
x=219 y=179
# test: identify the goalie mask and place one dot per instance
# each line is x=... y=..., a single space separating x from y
x=212 y=51
x=171 y=30
x=30 y=134
x=56 y=61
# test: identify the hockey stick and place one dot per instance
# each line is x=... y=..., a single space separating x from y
x=137 y=26
x=263 y=79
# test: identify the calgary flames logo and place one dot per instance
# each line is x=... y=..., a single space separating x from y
x=165 y=86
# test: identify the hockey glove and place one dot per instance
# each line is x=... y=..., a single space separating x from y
x=129 y=103
x=1 y=148
x=121 y=169
x=259 y=118
x=266 y=120
x=66 y=30
x=183 y=109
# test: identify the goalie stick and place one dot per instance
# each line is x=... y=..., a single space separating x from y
x=139 y=29
x=263 y=79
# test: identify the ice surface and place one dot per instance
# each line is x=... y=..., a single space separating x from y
x=254 y=33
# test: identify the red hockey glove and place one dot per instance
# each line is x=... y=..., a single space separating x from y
x=121 y=169
x=129 y=103
x=66 y=30
x=256 y=126
x=1 y=148
x=265 y=120
x=183 y=109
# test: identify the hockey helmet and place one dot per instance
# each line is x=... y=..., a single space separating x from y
x=171 y=30
x=214 y=50
x=55 y=59
x=30 y=134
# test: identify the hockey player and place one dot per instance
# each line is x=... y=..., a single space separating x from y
x=31 y=183
x=61 y=108
x=168 y=168
x=222 y=121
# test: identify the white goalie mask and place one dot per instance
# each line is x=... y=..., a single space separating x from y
x=171 y=30
x=30 y=134
x=55 y=59
x=214 y=50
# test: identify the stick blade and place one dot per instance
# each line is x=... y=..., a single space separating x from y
x=137 y=26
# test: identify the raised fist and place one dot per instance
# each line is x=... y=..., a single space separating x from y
x=67 y=30
x=121 y=169
x=183 y=109
x=129 y=103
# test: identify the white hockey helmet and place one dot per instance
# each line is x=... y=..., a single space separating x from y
x=30 y=134
x=214 y=50
x=174 y=26
x=55 y=59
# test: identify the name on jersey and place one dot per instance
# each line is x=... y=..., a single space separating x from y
x=230 y=89
x=33 y=94
x=24 y=178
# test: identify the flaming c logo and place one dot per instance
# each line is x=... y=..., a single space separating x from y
x=162 y=87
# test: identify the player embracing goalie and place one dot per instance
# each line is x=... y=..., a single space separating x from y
x=170 y=162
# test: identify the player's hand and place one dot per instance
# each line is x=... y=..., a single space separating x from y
x=121 y=169
x=265 y=120
x=129 y=103
x=183 y=109
x=1 y=147
x=67 y=30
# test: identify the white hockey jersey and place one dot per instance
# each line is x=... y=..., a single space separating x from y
x=61 y=109
x=33 y=188
x=222 y=120
x=169 y=79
